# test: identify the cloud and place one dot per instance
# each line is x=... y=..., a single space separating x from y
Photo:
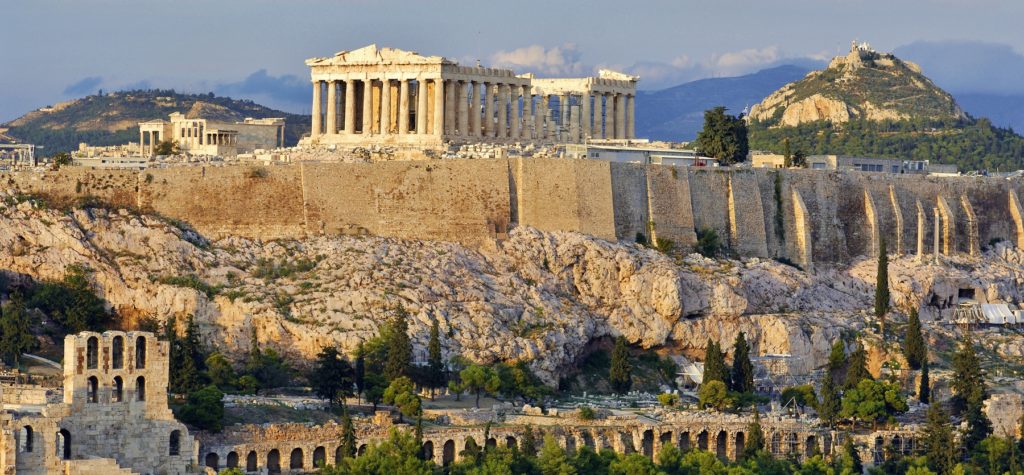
x=561 y=60
x=286 y=89
x=84 y=86
x=659 y=75
x=968 y=66
x=738 y=62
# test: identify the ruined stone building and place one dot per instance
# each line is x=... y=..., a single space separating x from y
x=197 y=136
x=389 y=96
x=112 y=417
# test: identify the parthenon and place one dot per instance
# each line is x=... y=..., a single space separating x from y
x=390 y=96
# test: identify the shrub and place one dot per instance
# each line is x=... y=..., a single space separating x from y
x=587 y=413
x=668 y=399
x=708 y=243
x=255 y=173
x=191 y=281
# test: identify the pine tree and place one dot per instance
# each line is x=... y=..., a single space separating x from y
x=15 y=330
x=755 y=437
x=828 y=408
x=435 y=366
x=620 y=374
x=978 y=427
x=348 y=436
x=858 y=368
x=742 y=369
x=851 y=458
x=914 y=347
x=714 y=364
x=938 y=440
x=924 y=391
x=419 y=433
x=882 y=287
x=529 y=445
x=399 y=346
x=331 y=378
x=968 y=382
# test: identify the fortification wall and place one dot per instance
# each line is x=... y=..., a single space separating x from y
x=565 y=195
x=65 y=186
x=671 y=210
x=709 y=191
x=629 y=200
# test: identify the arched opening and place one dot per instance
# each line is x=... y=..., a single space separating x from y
x=64 y=444
x=627 y=443
x=908 y=445
x=588 y=439
x=92 y=353
x=878 y=451
x=684 y=442
x=647 y=445
x=776 y=444
x=722 y=444
x=295 y=460
x=232 y=459
x=510 y=442
x=117 y=390
x=428 y=451
x=250 y=461
x=361 y=450
x=213 y=461
x=702 y=440
x=140 y=352
x=739 y=446
x=274 y=461
x=140 y=388
x=174 y=446
x=792 y=446
x=665 y=439
x=810 y=446
x=448 y=453
x=319 y=457
x=26 y=439
x=827 y=442
x=117 y=350
x=492 y=443
x=93 y=389
x=337 y=455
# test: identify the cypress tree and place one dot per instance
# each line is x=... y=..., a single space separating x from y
x=529 y=444
x=914 y=348
x=399 y=346
x=192 y=344
x=938 y=440
x=968 y=382
x=882 y=287
x=348 y=436
x=924 y=391
x=359 y=372
x=851 y=458
x=620 y=374
x=978 y=427
x=435 y=366
x=828 y=408
x=742 y=369
x=714 y=364
x=755 y=437
x=858 y=368
x=787 y=153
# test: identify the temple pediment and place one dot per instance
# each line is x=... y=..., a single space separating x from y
x=373 y=55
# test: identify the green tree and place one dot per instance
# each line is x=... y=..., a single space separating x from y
x=714 y=394
x=620 y=374
x=800 y=158
x=61 y=159
x=873 y=401
x=803 y=395
x=831 y=404
x=633 y=464
x=435 y=365
x=924 y=392
x=552 y=459
x=755 y=437
x=402 y=394
x=968 y=381
x=723 y=137
x=787 y=153
x=348 y=435
x=399 y=346
x=518 y=380
x=857 y=368
x=220 y=372
x=15 y=330
x=978 y=427
x=915 y=349
x=742 y=369
x=668 y=399
x=529 y=444
x=708 y=243
x=837 y=357
x=204 y=409
x=937 y=439
x=714 y=364
x=359 y=372
x=166 y=148
x=71 y=302
x=399 y=453
x=331 y=377
x=478 y=379
x=882 y=286
x=849 y=461
x=374 y=391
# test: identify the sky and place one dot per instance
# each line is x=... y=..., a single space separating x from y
x=55 y=50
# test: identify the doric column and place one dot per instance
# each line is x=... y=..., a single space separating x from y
x=350 y=106
x=598 y=131
x=527 y=113
x=514 y=104
x=385 y=107
x=332 y=108
x=631 y=116
x=609 y=116
x=449 y=107
x=403 y=106
x=475 y=89
x=142 y=141
x=545 y=119
x=574 y=124
x=585 y=118
x=503 y=111
x=317 y=117
x=421 y=107
x=438 y=107
x=620 y=116
x=367 y=106
x=465 y=93
x=935 y=234
x=488 y=117
x=563 y=117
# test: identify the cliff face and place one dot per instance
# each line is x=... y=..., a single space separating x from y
x=864 y=84
x=536 y=296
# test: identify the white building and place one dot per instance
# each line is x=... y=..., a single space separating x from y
x=210 y=137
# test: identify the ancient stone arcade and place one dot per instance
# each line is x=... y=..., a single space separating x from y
x=385 y=96
x=113 y=417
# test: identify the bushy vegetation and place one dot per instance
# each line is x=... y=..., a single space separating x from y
x=70 y=302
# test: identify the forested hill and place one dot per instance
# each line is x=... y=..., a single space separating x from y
x=113 y=118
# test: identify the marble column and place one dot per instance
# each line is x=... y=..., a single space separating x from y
x=465 y=92
x=503 y=111
x=488 y=117
x=403 y=107
x=631 y=116
x=609 y=117
x=549 y=129
x=935 y=233
x=475 y=89
x=574 y=124
x=585 y=118
x=367 y=106
x=350 y=106
x=514 y=104
x=598 y=131
x=317 y=114
x=385 y=107
x=563 y=117
x=620 y=116
x=332 y=108
x=438 y=107
x=421 y=107
x=527 y=113
x=142 y=140
x=449 y=106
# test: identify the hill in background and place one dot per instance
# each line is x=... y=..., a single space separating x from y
x=113 y=118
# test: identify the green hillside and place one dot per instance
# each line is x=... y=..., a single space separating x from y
x=113 y=118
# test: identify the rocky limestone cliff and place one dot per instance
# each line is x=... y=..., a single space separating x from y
x=864 y=84
x=536 y=296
